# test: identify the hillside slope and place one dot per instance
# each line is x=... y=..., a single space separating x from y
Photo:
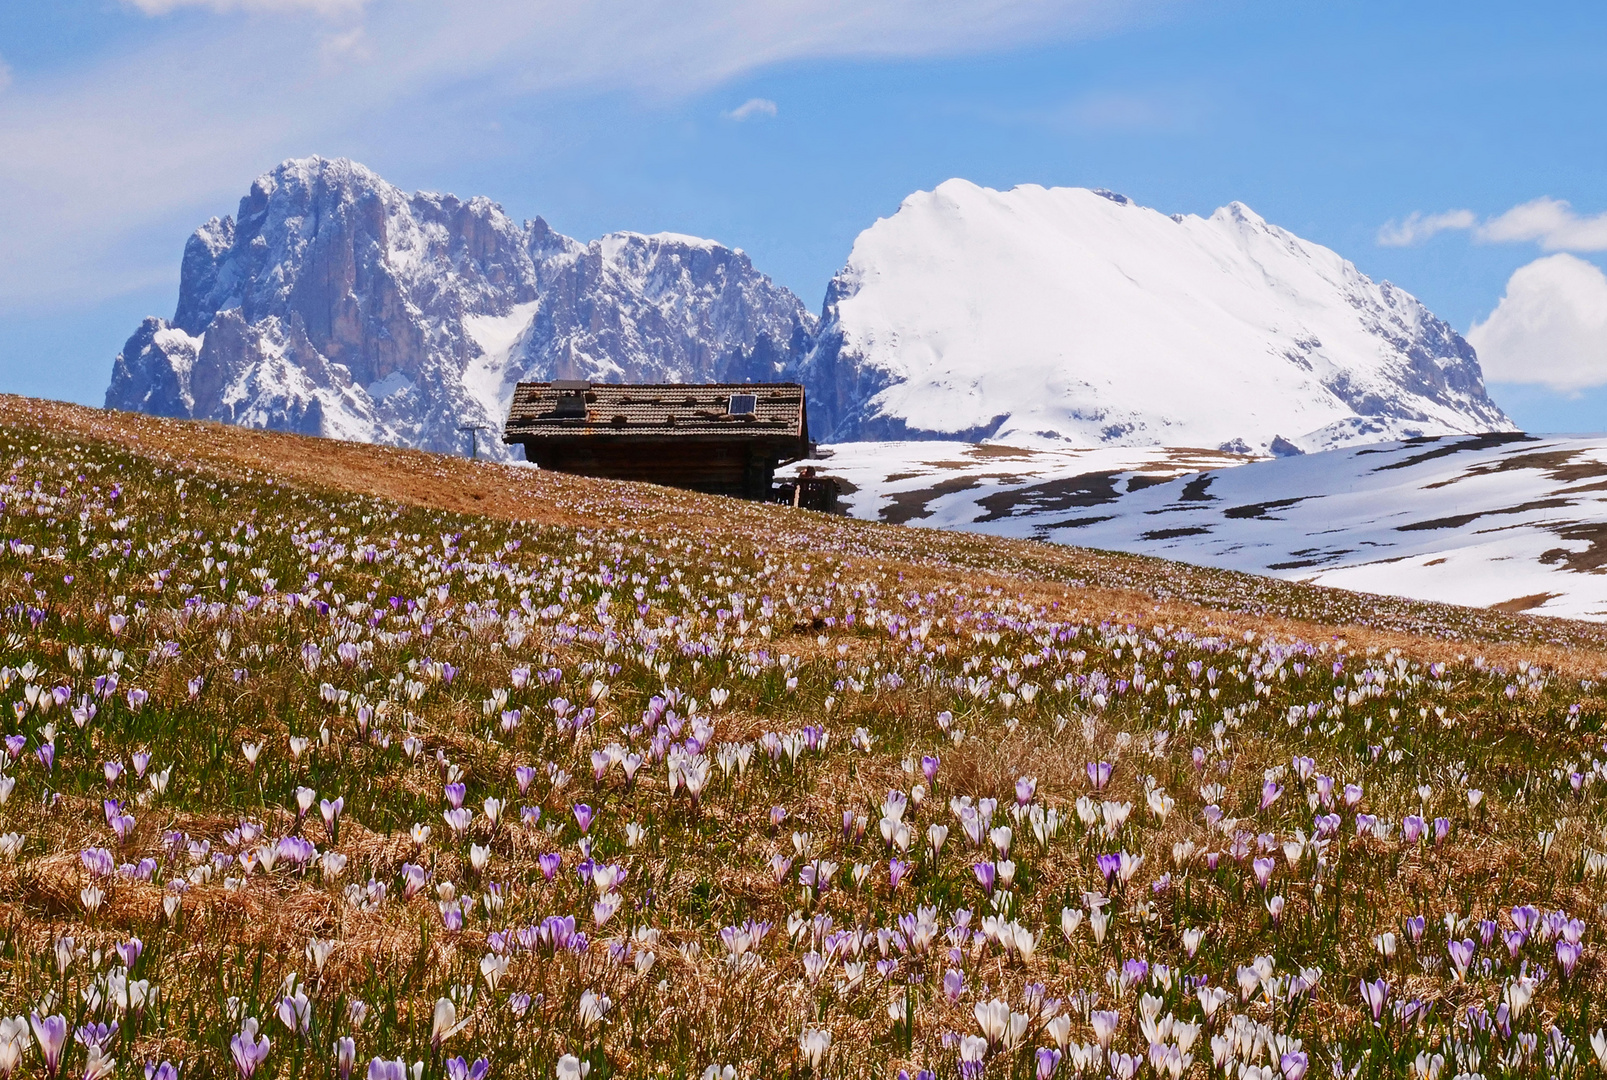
x=302 y=774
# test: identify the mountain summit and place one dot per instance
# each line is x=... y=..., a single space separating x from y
x=336 y=304
x=1076 y=318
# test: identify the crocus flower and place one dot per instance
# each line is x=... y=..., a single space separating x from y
x=1568 y=954
x=248 y=1050
x=571 y=1067
x=1099 y=774
x=1375 y=994
x=443 y=1022
x=51 y=1035
x=458 y=1069
x=345 y=1056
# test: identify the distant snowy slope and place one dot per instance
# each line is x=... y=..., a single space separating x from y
x=1071 y=317
x=1505 y=520
x=337 y=304
x=973 y=485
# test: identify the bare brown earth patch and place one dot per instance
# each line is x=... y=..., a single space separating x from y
x=1524 y=603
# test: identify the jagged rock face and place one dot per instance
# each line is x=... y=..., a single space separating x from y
x=336 y=304
x=1074 y=318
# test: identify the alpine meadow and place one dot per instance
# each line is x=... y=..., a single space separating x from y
x=325 y=758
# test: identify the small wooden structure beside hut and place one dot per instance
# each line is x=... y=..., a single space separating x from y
x=720 y=438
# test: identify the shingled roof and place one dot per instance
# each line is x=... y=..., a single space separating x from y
x=566 y=410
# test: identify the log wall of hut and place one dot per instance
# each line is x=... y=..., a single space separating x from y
x=724 y=439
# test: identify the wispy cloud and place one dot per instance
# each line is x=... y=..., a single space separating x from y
x=1549 y=222
x=751 y=108
x=1550 y=328
x=326 y=7
x=1111 y=111
x=98 y=159
x=1417 y=227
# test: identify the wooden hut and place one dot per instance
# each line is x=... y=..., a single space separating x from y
x=721 y=438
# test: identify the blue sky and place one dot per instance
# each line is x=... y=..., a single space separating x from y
x=123 y=125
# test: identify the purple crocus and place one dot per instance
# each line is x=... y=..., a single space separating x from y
x=583 y=817
x=47 y=756
x=1271 y=792
x=986 y=874
x=247 y=1049
x=458 y=1069
x=1568 y=954
x=929 y=764
x=1048 y=1062
x=897 y=870
x=1375 y=994
x=1099 y=774
x=953 y=985
x=1109 y=866
x=331 y=810
x=51 y=1035
x=550 y=862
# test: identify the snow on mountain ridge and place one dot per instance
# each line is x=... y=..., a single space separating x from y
x=334 y=303
x=1062 y=316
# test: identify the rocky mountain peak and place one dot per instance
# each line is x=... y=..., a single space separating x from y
x=335 y=303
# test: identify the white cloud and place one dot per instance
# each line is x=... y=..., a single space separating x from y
x=1418 y=227
x=1551 y=223
x=753 y=107
x=1550 y=328
x=99 y=161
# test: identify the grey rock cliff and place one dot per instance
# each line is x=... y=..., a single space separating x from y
x=334 y=303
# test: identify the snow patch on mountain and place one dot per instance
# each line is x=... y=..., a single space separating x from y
x=1503 y=520
x=1077 y=318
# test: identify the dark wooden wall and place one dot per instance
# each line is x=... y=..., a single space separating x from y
x=737 y=468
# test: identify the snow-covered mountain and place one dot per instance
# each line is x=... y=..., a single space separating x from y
x=336 y=304
x=1503 y=520
x=1068 y=317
